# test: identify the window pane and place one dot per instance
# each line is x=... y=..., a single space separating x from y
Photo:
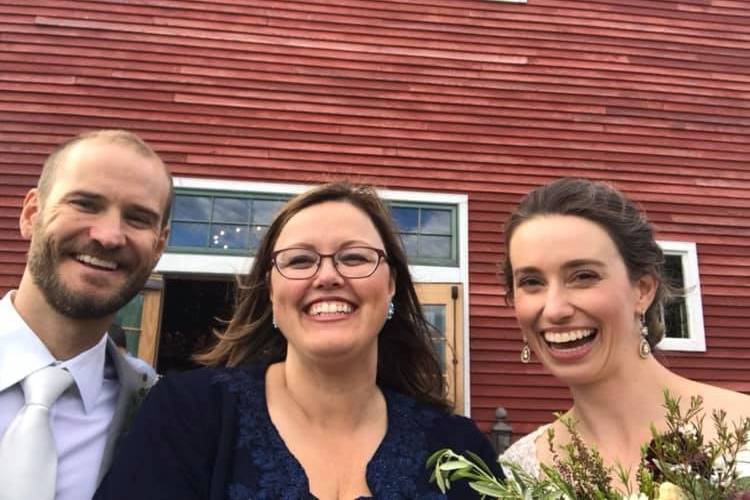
x=235 y=210
x=197 y=208
x=675 y=313
x=256 y=234
x=188 y=234
x=406 y=219
x=436 y=221
x=435 y=247
x=435 y=315
x=264 y=210
x=411 y=244
x=228 y=237
x=676 y=319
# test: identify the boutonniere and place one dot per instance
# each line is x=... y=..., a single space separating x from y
x=136 y=400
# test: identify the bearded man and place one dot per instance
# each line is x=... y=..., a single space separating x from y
x=97 y=221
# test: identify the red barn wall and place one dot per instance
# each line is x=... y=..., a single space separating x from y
x=481 y=97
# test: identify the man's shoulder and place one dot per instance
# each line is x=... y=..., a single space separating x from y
x=144 y=370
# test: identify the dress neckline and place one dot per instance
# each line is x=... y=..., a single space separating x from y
x=299 y=469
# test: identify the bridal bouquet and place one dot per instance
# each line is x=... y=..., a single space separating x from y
x=678 y=464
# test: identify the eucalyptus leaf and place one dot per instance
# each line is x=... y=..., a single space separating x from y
x=487 y=489
x=453 y=465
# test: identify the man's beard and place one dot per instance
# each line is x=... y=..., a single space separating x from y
x=44 y=260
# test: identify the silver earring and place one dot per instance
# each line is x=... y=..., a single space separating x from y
x=644 y=348
x=273 y=322
x=525 y=352
x=391 y=311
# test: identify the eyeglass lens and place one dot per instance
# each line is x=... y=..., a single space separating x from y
x=353 y=262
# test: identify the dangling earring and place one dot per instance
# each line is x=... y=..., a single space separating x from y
x=391 y=311
x=644 y=348
x=273 y=321
x=525 y=352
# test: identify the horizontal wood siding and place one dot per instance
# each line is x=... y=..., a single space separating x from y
x=482 y=97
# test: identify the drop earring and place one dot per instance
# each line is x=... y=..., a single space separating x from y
x=525 y=352
x=391 y=311
x=644 y=348
x=273 y=322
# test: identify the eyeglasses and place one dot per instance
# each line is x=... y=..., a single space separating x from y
x=350 y=262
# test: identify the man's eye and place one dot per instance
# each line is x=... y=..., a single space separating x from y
x=140 y=220
x=84 y=204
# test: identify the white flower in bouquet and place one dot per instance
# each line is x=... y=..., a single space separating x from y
x=669 y=491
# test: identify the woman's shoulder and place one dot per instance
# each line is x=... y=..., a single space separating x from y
x=439 y=426
x=206 y=384
x=524 y=452
x=735 y=404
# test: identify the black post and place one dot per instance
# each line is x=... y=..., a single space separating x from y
x=501 y=431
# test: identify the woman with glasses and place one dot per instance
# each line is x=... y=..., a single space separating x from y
x=324 y=385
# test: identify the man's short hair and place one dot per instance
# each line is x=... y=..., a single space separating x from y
x=124 y=137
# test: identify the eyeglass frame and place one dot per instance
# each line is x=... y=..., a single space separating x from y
x=382 y=256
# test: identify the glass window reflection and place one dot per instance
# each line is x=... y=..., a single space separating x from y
x=406 y=218
x=193 y=208
x=265 y=210
x=228 y=237
x=188 y=234
x=235 y=210
x=435 y=247
x=436 y=221
x=411 y=244
x=435 y=315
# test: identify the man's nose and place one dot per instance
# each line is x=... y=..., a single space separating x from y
x=108 y=230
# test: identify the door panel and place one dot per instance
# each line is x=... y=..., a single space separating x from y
x=443 y=308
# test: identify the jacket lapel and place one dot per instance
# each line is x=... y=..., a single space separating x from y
x=131 y=380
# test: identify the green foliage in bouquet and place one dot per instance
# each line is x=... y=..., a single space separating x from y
x=681 y=456
x=677 y=464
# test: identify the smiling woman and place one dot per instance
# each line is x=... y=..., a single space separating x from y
x=586 y=279
x=327 y=355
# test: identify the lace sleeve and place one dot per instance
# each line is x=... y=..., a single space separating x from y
x=523 y=452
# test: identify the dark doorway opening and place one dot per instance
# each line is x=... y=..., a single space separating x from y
x=193 y=308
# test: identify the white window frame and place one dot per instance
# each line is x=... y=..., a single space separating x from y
x=173 y=263
x=696 y=341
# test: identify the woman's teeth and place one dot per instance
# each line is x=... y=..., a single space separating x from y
x=329 y=308
x=570 y=336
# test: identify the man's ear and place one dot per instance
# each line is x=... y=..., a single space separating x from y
x=645 y=288
x=161 y=243
x=30 y=211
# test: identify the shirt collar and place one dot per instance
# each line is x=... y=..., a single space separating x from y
x=87 y=369
x=22 y=352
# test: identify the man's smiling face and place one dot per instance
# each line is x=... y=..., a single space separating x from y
x=98 y=233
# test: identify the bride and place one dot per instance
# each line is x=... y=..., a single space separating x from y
x=584 y=275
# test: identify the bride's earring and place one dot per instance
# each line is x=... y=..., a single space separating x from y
x=644 y=348
x=525 y=352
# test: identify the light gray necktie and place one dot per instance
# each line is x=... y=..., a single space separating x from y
x=28 y=456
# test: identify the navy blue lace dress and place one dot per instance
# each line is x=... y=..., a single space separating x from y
x=207 y=435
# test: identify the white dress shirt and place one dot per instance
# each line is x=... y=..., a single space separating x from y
x=80 y=418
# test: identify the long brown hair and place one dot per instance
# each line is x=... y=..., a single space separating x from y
x=406 y=360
